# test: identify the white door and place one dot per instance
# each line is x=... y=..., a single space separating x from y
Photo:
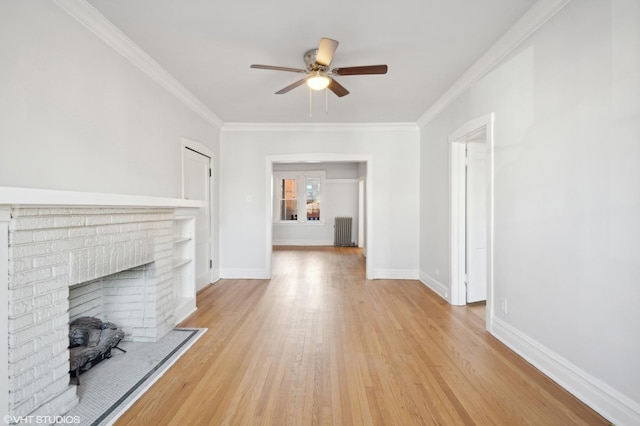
x=197 y=181
x=476 y=219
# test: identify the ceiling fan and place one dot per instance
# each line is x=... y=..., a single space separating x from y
x=318 y=75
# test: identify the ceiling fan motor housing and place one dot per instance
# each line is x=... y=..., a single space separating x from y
x=310 y=59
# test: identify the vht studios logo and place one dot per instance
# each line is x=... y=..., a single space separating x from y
x=41 y=419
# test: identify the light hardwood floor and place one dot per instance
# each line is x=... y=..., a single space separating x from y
x=319 y=344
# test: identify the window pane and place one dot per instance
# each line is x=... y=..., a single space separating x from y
x=313 y=198
x=290 y=210
x=288 y=190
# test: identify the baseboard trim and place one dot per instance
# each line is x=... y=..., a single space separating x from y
x=245 y=274
x=439 y=288
x=395 y=274
x=215 y=276
x=301 y=243
x=611 y=404
x=184 y=315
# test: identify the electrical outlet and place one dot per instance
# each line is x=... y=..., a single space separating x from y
x=503 y=305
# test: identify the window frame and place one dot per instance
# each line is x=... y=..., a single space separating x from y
x=301 y=181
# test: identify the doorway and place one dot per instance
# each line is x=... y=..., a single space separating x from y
x=196 y=185
x=366 y=172
x=471 y=148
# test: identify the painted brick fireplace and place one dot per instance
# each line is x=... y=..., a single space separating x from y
x=63 y=262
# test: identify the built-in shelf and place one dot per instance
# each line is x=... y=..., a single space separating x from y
x=180 y=239
x=179 y=262
x=184 y=286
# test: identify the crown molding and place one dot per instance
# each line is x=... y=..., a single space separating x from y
x=93 y=20
x=534 y=18
x=317 y=127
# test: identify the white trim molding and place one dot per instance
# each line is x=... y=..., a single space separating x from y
x=246 y=274
x=95 y=22
x=317 y=127
x=5 y=217
x=395 y=274
x=611 y=404
x=470 y=127
x=303 y=243
x=457 y=222
x=371 y=273
x=435 y=285
x=466 y=133
x=201 y=148
x=350 y=181
x=215 y=277
x=197 y=146
x=534 y=18
x=34 y=197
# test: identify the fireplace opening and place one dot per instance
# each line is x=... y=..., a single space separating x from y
x=98 y=309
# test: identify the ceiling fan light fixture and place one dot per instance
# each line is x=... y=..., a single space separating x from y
x=318 y=80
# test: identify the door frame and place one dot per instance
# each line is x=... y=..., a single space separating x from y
x=319 y=158
x=361 y=214
x=200 y=148
x=457 y=181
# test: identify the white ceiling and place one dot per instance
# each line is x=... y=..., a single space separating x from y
x=209 y=45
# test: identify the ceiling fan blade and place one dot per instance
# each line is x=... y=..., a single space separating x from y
x=368 y=69
x=291 y=86
x=325 y=51
x=270 y=67
x=337 y=88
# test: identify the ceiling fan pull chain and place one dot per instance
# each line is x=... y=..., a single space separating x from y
x=326 y=101
x=310 y=103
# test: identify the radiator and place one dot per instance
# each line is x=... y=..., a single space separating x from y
x=342 y=232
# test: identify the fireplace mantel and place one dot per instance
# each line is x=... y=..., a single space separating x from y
x=56 y=202
x=33 y=197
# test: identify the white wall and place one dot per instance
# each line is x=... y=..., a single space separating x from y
x=393 y=151
x=567 y=200
x=75 y=115
x=339 y=197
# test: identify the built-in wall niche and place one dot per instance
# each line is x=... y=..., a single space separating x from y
x=184 y=266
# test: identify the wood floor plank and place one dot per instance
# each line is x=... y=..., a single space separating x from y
x=318 y=344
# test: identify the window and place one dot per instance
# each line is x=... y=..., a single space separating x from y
x=298 y=196
x=288 y=199
x=313 y=198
